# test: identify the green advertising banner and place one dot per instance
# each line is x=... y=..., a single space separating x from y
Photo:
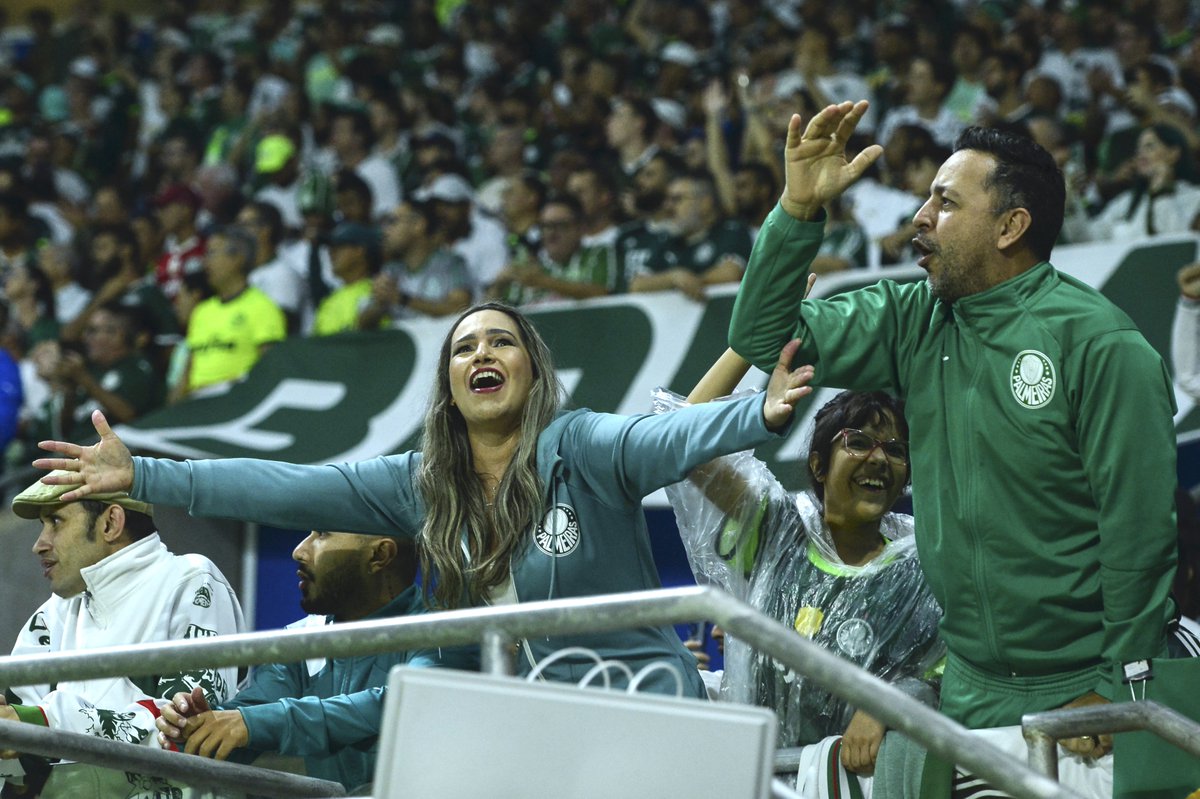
x=359 y=395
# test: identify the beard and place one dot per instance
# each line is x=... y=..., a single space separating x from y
x=334 y=589
x=649 y=202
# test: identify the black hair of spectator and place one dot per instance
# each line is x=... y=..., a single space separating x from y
x=944 y=72
x=196 y=282
x=43 y=292
x=568 y=201
x=855 y=409
x=702 y=181
x=827 y=34
x=359 y=120
x=242 y=241
x=427 y=212
x=349 y=180
x=605 y=177
x=1158 y=73
x=125 y=237
x=1024 y=176
x=977 y=32
x=133 y=318
x=269 y=216
x=15 y=205
x=763 y=174
x=674 y=164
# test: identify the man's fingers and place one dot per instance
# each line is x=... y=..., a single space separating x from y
x=862 y=162
x=70 y=464
x=848 y=122
x=787 y=354
x=101 y=424
x=793 y=132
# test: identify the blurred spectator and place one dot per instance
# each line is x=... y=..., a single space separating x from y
x=16 y=232
x=352 y=140
x=523 y=198
x=118 y=275
x=642 y=240
x=631 y=129
x=112 y=374
x=60 y=264
x=1164 y=198
x=919 y=172
x=420 y=277
x=277 y=166
x=353 y=198
x=479 y=240
x=815 y=64
x=562 y=268
x=357 y=257
x=228 y=332
x=704 y=249
x=504 y=159
x=968 y=53
x=844 y=245
x=596 y=192
x=176 y=207
x=755 y=193
x=926 y=87
x=277 y=277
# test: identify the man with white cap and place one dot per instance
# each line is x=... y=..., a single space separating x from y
x=114 y=583
x=478 y=239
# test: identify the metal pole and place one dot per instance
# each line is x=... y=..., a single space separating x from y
x=189 y=769
x=449 y=628
x=898 y=711
x=495 y=653
x=1168 y=724
x=1043 y=752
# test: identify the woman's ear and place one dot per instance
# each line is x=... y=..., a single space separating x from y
x=814 y=466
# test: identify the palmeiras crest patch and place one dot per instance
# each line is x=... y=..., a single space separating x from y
x=557 y=533
x=1033 y=379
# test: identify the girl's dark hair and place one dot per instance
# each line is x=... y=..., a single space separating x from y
x=849 y=409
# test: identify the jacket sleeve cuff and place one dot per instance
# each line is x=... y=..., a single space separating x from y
x=264 y=724
x=31 y=714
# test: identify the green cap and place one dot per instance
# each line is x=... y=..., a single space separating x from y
x=272 y=153
x=30 y=503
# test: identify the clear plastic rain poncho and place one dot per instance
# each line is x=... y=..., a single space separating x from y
x=775 y=552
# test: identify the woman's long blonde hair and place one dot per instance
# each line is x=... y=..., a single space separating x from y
x=455 y=497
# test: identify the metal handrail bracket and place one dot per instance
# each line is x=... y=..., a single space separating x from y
x=1042 y=731
x=603 y=613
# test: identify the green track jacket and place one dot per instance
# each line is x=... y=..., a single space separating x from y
x=1043 y=450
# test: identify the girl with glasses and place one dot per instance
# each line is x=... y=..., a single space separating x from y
x=833 y=562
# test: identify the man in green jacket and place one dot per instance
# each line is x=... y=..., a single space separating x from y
x=1043 y=448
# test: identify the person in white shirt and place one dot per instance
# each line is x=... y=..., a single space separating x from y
x=114 y=583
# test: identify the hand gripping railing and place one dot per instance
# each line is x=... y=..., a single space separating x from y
x=1043 y=730
x=496 y=627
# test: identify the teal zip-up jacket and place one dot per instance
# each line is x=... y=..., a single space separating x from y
x=325 y=710
x=1043 y=450
x=595 y=468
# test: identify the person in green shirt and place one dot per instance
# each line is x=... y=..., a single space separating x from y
x=1043 y=447
x=356 y=254
x=562 y=268
x=705 y=250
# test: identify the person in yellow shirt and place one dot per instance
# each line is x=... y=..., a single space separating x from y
x=356 y=252
x=229 y=332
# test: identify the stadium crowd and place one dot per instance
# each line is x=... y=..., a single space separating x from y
x=181 y=190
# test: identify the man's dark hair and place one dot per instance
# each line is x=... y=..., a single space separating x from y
x=268 y=216
x=568 y=201
x=138 y=525
x=360 y=122
x=244 y=244
x=1025 y=176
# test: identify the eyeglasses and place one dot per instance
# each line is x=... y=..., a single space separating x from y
x=861 y=445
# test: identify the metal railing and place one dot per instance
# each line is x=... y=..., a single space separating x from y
x=1043 y=730
x=194 y=771
x=497 y=627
